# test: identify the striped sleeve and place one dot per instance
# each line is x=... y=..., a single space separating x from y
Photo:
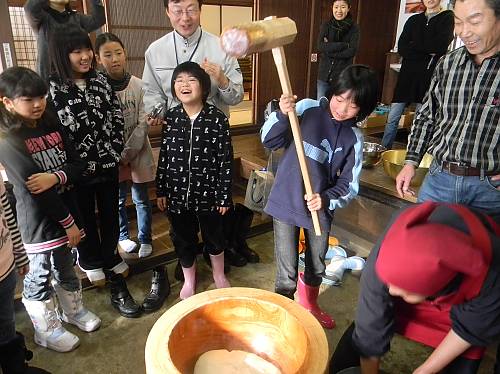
x=67 y=222
x=61 y=175
x=17 y=245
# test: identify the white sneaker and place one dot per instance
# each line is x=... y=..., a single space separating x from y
x=128 y=245
x=73 y=310
x=49 y=332
x=145 y=250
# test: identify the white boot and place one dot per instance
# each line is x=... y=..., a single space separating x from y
x=49 y=332
x=73 y=310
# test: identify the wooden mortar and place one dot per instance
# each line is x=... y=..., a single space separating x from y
x=261 y=322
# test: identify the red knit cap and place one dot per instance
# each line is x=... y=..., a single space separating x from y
x=423 y=257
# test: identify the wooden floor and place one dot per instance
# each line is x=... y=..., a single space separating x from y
x=247 y=148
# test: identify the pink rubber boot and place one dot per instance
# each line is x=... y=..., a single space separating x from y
x=308 y=299
x=189 y=286
x=218 y=271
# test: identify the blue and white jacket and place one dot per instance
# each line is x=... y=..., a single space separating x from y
x=334 y=153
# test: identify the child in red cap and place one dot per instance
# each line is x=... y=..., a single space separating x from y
x=433 y=279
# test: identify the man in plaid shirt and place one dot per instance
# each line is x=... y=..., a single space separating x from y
x=458 y=123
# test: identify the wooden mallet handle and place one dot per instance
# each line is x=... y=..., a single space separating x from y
x=280 y=61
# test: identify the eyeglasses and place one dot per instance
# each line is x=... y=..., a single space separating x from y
x=189 y=81
x=188 y=12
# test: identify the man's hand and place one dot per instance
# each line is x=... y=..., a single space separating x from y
x=41 y=182
x=496 y=178
x=74 y=236
x=222 y=209
x=215 y=71
x=314 y=202
x=23 y=270
x=403 y=180
x=161 y=202
x=287 y=103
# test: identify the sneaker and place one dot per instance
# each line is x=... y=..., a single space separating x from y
x=127 y=245
x=145 y=250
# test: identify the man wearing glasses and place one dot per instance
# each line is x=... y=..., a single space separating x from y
x=188 y=42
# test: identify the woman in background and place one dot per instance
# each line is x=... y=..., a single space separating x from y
x=337 y=44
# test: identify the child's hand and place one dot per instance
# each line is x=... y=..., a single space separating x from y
x=314 y=202
x=161 y=202
x=222 y=209
x=154 y=121
x=23 y=270
x=41 y=182
x=287 y=103
x=74 y=236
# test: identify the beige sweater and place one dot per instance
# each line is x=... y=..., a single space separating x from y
x=12 y=253
x=137 y=156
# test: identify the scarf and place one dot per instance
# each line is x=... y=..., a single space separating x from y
x=340 y=28
x=119 y=84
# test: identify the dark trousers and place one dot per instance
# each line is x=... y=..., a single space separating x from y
x=346 y=356
x=185 y=227
x=99 y=247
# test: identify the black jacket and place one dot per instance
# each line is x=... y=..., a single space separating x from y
x=335 y=57
x=195 y=163
x=42 y=218
x=418 y=41
x=93 y=120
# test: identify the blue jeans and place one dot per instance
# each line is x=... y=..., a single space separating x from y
x=322 y=89
x=286 y=243
x=57 y=264
x=391 y=128
x=142 y=207
x=7 y=322
x=471 y=191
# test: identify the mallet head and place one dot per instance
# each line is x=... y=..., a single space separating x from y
x=258 y=36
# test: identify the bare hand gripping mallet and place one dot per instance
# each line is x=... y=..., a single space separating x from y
x=272 y=33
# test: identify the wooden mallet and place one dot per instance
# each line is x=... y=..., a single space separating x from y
x=272 y=33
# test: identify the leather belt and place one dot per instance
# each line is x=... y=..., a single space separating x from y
x=464 y=170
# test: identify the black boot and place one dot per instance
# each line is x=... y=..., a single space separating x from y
x=13 y=357
x=160 y=289
x=234 y=258
x=244 y=222
x=121 y=299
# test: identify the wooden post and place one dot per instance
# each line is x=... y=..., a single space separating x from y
x=280 y=61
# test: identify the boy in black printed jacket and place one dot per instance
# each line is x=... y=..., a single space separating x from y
x=194 y=174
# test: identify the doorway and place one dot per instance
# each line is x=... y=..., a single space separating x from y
x=214 y=19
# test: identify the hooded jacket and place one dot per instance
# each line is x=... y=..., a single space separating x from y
x=42 y=218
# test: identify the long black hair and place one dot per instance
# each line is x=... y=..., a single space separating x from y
x=194 y=70
x=16 y=82
x=62 y=43
x=362 y=81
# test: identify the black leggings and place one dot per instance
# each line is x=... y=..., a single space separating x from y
x=346 y=356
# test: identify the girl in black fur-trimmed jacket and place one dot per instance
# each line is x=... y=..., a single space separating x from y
x=90 y=112
x=195 y=173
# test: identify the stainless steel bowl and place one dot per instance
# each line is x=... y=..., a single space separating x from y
x=372 y=152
